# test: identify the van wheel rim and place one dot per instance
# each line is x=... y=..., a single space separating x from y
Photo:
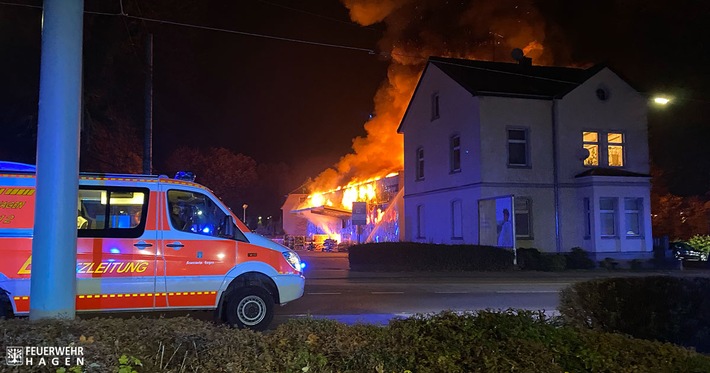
x=251 y=310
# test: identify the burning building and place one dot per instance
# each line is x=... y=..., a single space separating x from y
x=329 y=214
x=413 y=31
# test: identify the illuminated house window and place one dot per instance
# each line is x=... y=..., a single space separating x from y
x=455 y=154
x=607 y=216
x=591 y=143
x=612 y=142
x=435 y=105
x=456 y=220
x=615 y=146
x=420 y=164
x=518 y=147
x=523 y=218
x=632 y=216
x=420 y=221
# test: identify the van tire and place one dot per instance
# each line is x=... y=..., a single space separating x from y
x=249 y=307
x=5 y=306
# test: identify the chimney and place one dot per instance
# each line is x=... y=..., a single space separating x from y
x=518 y=55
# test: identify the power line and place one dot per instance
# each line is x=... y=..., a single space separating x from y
x=208 y=28
x=272 y=37
x=22 y=5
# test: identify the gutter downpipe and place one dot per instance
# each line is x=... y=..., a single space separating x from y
x=555 y=176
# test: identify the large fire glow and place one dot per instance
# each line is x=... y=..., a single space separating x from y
x=343 y=197
x=416 y=30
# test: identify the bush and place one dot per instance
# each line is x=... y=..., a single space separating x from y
x=528 y=259
x=577 y=258
x=668 y=309
x=700 y=242
x=553 y=262
x=534 y=260
x=521 y=341
x=408 y=256
x=609 y=263
x=636 y=264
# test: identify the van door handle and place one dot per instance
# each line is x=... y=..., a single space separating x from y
x=141 y=245
x=177 y=245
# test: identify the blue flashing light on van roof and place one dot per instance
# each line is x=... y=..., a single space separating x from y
x=17 y=167
x=185 y=175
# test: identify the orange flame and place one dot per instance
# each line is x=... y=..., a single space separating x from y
x=342 y=197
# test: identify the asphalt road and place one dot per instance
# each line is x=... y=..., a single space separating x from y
x=334 y=292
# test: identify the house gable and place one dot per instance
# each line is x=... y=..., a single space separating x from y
x=604 y=103
x=458 y=117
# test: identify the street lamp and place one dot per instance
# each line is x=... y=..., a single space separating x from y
x=660 y=100
x=244 y=217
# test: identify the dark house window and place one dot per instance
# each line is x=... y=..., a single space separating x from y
x=420 y=164
x=455 y=153
x=607 y=216
x=518 y=147
x=456 y=219
x=633 y=211
x=435 y=105
x=420 y=222
x=523 y=218
x=587 y=219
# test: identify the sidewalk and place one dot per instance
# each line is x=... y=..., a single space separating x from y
x=519 y=275
x=322 y=265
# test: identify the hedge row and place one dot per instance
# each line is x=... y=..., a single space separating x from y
x=663 y=308
x=405 y=256
x=483 y=342
x=408 y=256
x=534 y=260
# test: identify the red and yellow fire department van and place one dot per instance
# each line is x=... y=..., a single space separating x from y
x=150 y=243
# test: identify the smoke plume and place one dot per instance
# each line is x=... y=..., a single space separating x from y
x=416 y=30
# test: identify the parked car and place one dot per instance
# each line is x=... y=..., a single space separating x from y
x=684 y=251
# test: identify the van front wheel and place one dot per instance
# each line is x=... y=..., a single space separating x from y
x=250 y=307
x=5 y=306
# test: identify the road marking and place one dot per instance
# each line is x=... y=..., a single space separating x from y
x=386 y=292
x=324 y=293
x=526 y=291
x=453 y=292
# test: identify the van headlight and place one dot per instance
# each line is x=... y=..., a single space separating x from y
x=293 y=260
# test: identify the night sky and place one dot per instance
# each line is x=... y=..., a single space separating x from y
x=303 y=104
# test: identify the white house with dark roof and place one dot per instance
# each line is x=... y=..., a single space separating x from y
x=564 y=150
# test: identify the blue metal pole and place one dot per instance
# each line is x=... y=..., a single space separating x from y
x=53 y=278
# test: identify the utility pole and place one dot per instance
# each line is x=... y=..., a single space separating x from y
x=53 y=273
x=148 y=133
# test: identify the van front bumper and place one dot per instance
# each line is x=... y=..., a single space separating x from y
x=290 y=287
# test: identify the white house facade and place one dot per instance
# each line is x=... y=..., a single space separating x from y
x=563 y=151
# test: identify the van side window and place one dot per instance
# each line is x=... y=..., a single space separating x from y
x=197 y=213
x=111 y=212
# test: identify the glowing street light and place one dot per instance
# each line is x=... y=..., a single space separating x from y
x=244 y=217
x=660 y=100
